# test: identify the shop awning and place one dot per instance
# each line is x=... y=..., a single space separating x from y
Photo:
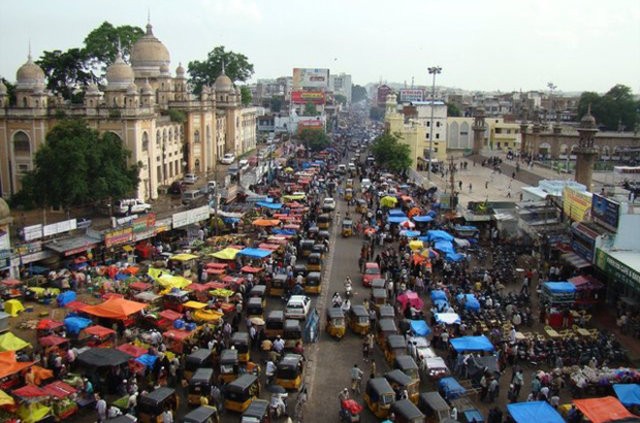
x=575 y=260
x=74 y=245
x=10 y=342
x=9 y=365
x=115 y=308
x=255 y=253
x=603 y=410
x=225 y=254
x=183 y=257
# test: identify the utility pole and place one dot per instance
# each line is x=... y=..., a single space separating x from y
x=434 y=70
x=452 y=183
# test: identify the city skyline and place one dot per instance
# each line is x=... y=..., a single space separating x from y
x=490 y=46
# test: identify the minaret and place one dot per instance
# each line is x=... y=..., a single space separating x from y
x=478 y=130
x=523 y=132
x=586 y=152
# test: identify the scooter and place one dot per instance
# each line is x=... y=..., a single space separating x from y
x=350 y=411
x=348 y=290
x=275 y=408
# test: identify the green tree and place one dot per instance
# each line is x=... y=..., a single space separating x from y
x=99 y=172
x=358 y=93
x=453 y=110
x=11 y=90
x=314 y=139
x=615 y=107
x=310 y=109
x=236 y=67
x=275 y=104
x=101 y=45
x=339 y=98
x=246 y=96
x=66 y=71
x=390 y=153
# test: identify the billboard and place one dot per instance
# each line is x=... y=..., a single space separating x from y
x=310 y=124
x=310 y=78
x=576 y=204
x=605 y=212
x=411 y=95
x=304 y=97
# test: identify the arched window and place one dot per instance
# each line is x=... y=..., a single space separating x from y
x=158 y=139
x=21 y=144
x=197 y=165
x=164 y=137
x=196 y=137
x=24 y=102
x=170 y=134
x=145 y=141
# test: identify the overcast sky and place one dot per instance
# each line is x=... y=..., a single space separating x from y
x=481 y=45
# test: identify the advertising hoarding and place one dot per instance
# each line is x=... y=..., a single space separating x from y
x=310 y=124
x=576 y=204
x=304 y=97
x=118 y=237
x=411 y=94
x=606 y=212
x=310 y=78
x=191 y=216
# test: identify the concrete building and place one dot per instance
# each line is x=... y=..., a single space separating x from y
x=164 y=125
x=341 y=85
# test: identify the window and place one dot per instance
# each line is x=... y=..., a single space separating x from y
x=145 y=141
x=437 y=124
x=159 y=174
x=158 y=139
x=21 y=144
x=427 y=135
x=196 y=137
x=428 y=124
x=437 y=136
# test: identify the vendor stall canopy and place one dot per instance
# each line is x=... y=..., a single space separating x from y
x=560 y=287
x=255 y=252
x=75 y=324
x=103 y=357
x=10 y=342
x=9 y=365
x=471 y=343
x=604 y=410
x=115 y=308
x=534 y=411
x=628 y=394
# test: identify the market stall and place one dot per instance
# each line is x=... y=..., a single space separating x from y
x=534 y=411
x=603 y=410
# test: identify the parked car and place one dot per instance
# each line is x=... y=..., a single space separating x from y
x=191 y=196
x=297 y=307
x=176 y=188
x=328 y=204
x=190 y=178
x=371 y=272
x=228 y=158
x=131 y=206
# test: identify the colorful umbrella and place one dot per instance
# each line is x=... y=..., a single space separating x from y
x=388 y=201
x=416 y=245
x=407 y=224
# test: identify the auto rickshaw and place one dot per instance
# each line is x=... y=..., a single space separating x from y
x=259 y=291
x=322 y=235
x=400 y=381
x=183 y=264
x=202 y=357
x=152 y=405
x=406 y=412
x=239 y=393
x=386 y=311
x=361 y=206
x=289 y=371
x=434 y=406
x=324 y=221
x=349 y=183
x=319 y=248
x=379 y=396
x=242 y=343
x=359 y=320
x=386 y=328
x=312 y=232
x=277 y=285
x=306 y=245
x=175 y=299
x=378 y=298
x=335 y=322
x=314 y=262
x=229 y=365
x=291 y=334
x=347 y=228
x=395 y=345
x=301 y=269
x=408 y=366
x=379 y=283
x=255 y=307
x=258 y=412
x=274 y=324
x=202 y=414
x=200 y=385
x=348 y=194
x=313 y=283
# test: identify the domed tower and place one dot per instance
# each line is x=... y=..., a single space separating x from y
x=131 y=99
x=180 y=84
x=148 y=55
x=164 y=86
x=30 y=86
x=120 y=76
x=586 y=152
x=225 y=92
x=93 y=96
x=147 y=94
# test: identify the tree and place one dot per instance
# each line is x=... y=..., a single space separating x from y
x=358 y=93
x=314 y=139
x=453 y=110
x=246 y=96
x=310 y=109
x=236 y=67
x=390 y=153
x=101 y=45
x=616 y=107
x=99 y=172
x=11 y=90
x=339 y=98
x=66 y=71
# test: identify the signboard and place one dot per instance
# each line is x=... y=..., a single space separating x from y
x=191 y=216
x=5 y=243
x=310 y=78
x=407 y=94
x=59 y=227
x=606 y=212
x=32 y=232
x=304 y=97
x=118 y=237
x=143 y=223
x=163 y=225
x=583 y=241
x=310 y=124
x=576 y=204
x=617 y=270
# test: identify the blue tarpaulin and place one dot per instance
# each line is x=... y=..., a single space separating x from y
x=420 y=328
x=471 y=343
x=438 y=295
x=75 y=324
x=454 y=257
x=451 y=388
x=432 y=213
x=397 y=212
x=422 y=218
x=445 y=247
x=255 y=252
x=409 y=234
x=230 y=220
x=628 y=393
x=441 y=304
x=471 y=302
x=272 y=206
x=66 y=297
x=396 y=219
x=439 y=235
x=278 y=231
x=560 y=287
x=147 y=360
x=534 y=411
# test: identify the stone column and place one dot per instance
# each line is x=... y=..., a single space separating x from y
x=478 y=131
x=586 y=152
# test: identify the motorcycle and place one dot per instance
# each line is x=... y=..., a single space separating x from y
x=350 y=411
x=278 y=404
x=348 y=290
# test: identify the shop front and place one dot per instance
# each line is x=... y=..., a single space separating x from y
x=622 y=269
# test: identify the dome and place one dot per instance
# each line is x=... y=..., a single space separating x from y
x=180 y=70
x=93 y=88
x=223 y=83
x=149 y=54
x=5 y=212
x=29 y=75
x=146 y=87
x=164 y=69
x=119 y=75
x=132 y=89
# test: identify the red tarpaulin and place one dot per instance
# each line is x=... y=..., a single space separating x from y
x=213 y=271
x=52 y=340
x=77 y=305
x=213 y=265
x=132 y=350
x=198 y=287
x=271 y=247
x=59 y=389
x=115 y=308
x=217 y=285
x=99 y=331
x=29 y=391
x=233 y=279
x=170 y=315
x=249 y=269
x=48 y=324
x=177 y=335
x=140 y=286
x=10 y=283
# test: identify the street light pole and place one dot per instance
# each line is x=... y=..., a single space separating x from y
x=434 y=70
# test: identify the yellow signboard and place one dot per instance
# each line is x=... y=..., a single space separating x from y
x=576 y=204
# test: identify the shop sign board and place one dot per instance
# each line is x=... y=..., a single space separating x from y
x=310 y=78
x=59 y=227
x=163 y=225
x=411 y=94
x=576 y=204
x=118 y=237
x=143 y=223
x=32 y=232
x=191 y=216
x=304 y=97
x=605 y=211
x=617 y=270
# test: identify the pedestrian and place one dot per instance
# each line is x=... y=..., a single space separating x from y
x=356 y=378
x=101 y=408
x=494 y=389
x=486 y=184
x=365 y=350
x=470 y=187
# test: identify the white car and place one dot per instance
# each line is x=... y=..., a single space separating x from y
x=365 y=184
x=228 y=158
x=328 y=204
x=131 y=206
x=297 y=307
x=190 y=178
x=420 y=350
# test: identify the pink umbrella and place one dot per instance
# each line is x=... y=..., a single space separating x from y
x=410 y=299
x=407 y=224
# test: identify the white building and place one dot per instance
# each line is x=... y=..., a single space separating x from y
x=341 y=84
x=423 y=115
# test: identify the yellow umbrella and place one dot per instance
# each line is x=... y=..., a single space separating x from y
x=225 y=254
x=416 y=245
x=6 y=399
x=288 y=169
x=388 y=201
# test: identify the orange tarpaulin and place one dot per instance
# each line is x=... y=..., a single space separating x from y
x=602 y=410
x=41 y=374
x=9 y=365
x=99 y=331
x=413 y=212
x=115 y=308
x=266 y=222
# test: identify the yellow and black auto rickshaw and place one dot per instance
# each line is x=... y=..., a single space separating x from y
x=277 y=285
x=290 y=371
x=349 y=183
x=378 y=298
x=229 y=365
x=291 y=334
x=314 y=262
x=242 y=343
x=202 y=357
x=313 y=283
x=405 y=411
x=395 y=345
x=324 y=221
x=359 y=320
x=386 y=327
x=152 y=405
x=255 y=307
x=379 y=396
x=306 y=245
x=319 y=248
x=400 y=381
x=335 y=322
x=274 y=324
x=258 y=412
x=200 y=385
x=239 y=393
x=259 y=291
x=202 y=414
x=361 y=206
x=379 y=283
x=407 y=365
x=347 y=228
x=386 y=311
x=348 y=194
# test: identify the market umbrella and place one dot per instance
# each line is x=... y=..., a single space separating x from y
x=415 y=245
x=6 y=399
x=370 y=231
x=407 y=224
x=388 y=201
x=413 y=212
x=257 y=321
x=288 y=169
x=266 y=222
x=276 y=389
x=10 y=342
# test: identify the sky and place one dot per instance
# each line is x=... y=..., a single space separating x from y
x=490 y=45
